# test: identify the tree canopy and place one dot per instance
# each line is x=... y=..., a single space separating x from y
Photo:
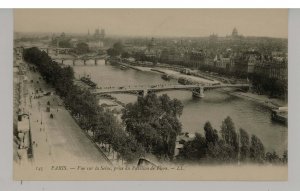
x=153 y=121
x=82 y=48
x=231 y=147
x=116 y=50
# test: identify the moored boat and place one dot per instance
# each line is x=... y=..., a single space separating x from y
x=184 y=81
x=166 y=77
x=280 y=114
x=88 y=81
x=123 y=67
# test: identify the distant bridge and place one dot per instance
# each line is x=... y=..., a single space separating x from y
x=83 y=59
x=56 y=50
x=62 y=58
x=197 y=90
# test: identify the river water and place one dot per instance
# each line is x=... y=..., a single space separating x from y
x=214 y=107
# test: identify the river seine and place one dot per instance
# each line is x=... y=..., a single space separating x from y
x=214 y=107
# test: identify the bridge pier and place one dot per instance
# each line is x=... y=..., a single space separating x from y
x=198 y=92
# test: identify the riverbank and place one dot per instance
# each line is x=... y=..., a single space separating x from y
x=272 y=103
x=262 y=99
x=138 y=68
x=109 y=98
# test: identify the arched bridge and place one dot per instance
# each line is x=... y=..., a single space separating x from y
x=81 y=59
x=197 y=90
x=48 y=49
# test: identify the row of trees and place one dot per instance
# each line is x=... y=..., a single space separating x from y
x=224 y=71
x=84 y=106
x=153 y=121
x=269 y=86
x=228 y=147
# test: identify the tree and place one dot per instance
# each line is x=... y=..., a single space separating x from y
x=112 y=52
x=217 y=150
x=229 y=136
x=82 y=48
x=118 y=46
x=127 y=146
x=272 y=157
x=194 y=150
x=245 y=145
x=125 y=55
x=116 y=50
x=285 y=157
x=140 y=56
x=144 y=134
x=257 y=150
x=211 y=135
x=153 y=121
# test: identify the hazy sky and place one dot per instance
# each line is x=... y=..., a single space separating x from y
x=155 y=22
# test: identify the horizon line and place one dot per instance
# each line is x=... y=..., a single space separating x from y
x=148 y=36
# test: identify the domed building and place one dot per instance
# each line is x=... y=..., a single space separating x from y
x=234 y=33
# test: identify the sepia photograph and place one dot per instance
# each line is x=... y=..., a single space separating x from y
x=150 y=94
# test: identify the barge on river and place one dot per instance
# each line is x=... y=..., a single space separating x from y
x=88 y=81
x=184 y=81
x=280 y=114
x=166 y=77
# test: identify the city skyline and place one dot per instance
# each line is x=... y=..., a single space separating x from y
x=155 y=22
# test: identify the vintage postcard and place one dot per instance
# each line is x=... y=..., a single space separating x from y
x=150 y=94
